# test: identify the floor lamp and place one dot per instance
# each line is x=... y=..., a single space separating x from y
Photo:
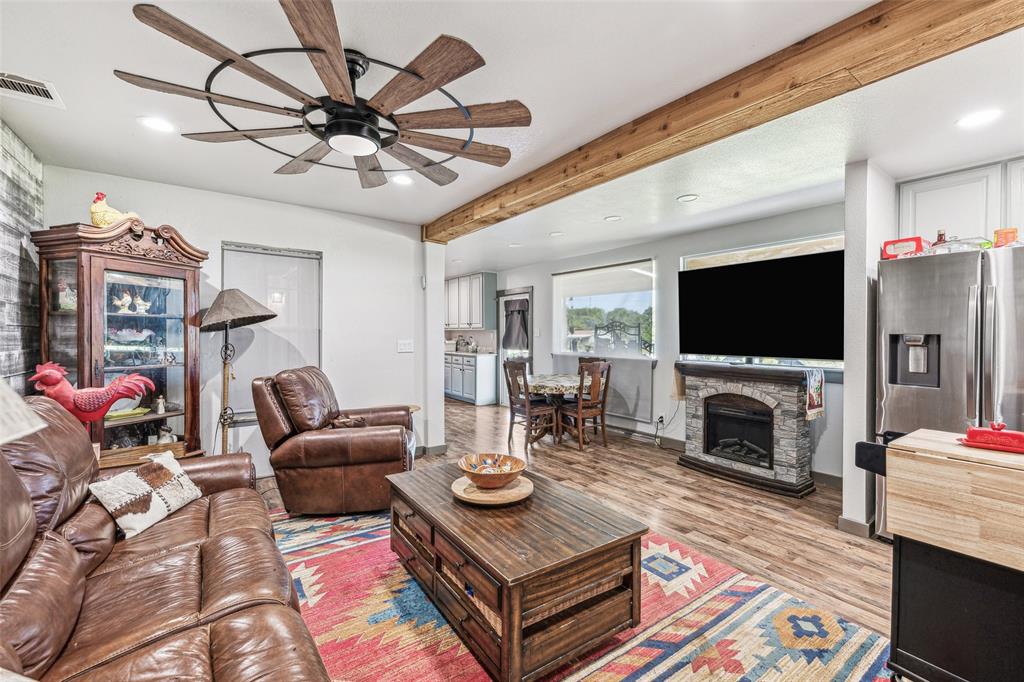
x=230 y=310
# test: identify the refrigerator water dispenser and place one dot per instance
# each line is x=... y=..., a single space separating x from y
x=914 y=360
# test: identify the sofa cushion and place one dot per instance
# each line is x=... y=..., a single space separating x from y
x=17 y=522
x=139 y=498
x=91 y=531
x=308 y=397
x=55 y=464
x=261 y=643
x=177 y=590
x=222 y=512
x=42 y=603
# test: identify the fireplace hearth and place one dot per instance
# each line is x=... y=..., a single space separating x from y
x=738 y=428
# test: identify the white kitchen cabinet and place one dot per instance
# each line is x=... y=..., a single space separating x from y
x=474 y=377
x=1015 y=189
x=966 y=203
x=471 y=301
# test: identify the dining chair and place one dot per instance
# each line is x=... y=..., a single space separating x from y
x=537 y=415
x=585 y=360
x=590 y=403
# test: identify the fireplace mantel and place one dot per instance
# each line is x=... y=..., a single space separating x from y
x=776 y=374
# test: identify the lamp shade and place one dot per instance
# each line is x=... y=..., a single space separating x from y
x=17 y=419
x=233 y=308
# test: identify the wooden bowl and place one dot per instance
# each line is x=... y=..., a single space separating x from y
x=488 y=470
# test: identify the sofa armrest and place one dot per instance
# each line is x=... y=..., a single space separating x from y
x=388 y=415
x=341 y=447
x=212 y=473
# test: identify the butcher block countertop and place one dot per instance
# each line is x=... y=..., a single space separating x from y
x=963 y=499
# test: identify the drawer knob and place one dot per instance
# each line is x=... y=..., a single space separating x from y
x=469 y=590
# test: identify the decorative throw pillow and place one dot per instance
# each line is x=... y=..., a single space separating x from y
x=139 y=498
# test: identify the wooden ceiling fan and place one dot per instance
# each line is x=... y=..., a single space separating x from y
x=354 y=125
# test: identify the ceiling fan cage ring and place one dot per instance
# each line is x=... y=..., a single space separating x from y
x=309 y=109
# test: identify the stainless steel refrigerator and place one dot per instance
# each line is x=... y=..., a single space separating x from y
x=950 y=345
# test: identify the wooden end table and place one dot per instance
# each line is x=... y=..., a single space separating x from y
x=528 y=586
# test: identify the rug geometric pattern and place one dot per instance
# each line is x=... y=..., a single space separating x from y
x=702 y=619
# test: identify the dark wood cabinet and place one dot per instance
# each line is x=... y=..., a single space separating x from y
x=118 y=300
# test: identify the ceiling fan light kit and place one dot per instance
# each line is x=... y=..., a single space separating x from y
x=356 y=127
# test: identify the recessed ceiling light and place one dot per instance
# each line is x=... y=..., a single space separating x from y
x=979 y=118
x=556 y=234
x=402 y=179
x=686 y=198
x=612 y=218
x=161 y=125
x=514 y=245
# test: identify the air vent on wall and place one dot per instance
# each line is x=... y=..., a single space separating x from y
x=40 y=92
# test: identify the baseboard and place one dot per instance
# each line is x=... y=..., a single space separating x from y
x=830 y=480
x=422 y=450
x=858 y=528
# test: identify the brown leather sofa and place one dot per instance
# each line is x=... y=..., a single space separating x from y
x=329 y=460
x=202 y=595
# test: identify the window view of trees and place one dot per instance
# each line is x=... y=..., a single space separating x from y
x=616 y=324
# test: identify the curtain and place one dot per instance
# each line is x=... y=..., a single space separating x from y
x=517 y=332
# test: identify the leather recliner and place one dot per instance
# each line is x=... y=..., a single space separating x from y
x=329 y=460
x=203 y=594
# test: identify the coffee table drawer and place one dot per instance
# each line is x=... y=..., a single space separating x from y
x=462 y=620
x=583 y=624
x=413 y=560
x=419 y=528
x=481 y=585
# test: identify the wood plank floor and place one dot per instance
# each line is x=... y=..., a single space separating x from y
x=793 y=544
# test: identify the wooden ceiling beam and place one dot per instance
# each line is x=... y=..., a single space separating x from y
x=878 y=42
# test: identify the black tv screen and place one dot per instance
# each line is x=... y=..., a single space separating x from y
x=784 y=308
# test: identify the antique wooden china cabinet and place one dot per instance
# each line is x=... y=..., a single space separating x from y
x=123 y=299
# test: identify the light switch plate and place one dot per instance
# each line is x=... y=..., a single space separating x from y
x=406 y=346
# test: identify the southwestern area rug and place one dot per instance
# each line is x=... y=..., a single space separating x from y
x=702 y=619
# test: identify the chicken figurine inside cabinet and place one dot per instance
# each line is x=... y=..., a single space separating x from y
x=132 y=335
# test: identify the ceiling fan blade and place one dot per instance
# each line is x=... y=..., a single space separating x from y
x=477 y=151
x=370 y=174
x=443 y=61
x=235 y=135
x=316 y=27
x=304 y=161
x=428 y=168
x=153 y=16
x=498 y=115
x=175 y=89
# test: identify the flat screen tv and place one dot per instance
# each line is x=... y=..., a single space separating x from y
x=782 y=308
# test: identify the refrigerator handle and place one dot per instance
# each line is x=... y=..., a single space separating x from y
x=988 y=362
x=970 y=387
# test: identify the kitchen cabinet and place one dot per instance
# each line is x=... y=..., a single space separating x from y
x=472 y=377
x=470 y=301
x=966 y=203
x=1015 y=188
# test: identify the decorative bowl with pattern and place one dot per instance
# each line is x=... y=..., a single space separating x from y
x=489 y=470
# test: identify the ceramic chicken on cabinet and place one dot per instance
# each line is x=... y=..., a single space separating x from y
x=103 y=215
x=87 y=404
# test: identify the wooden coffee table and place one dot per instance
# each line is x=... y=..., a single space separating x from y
x=527 y=587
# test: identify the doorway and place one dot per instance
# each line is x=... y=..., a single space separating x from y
x=521 y=293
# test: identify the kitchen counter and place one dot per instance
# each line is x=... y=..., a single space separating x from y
x=480 y=354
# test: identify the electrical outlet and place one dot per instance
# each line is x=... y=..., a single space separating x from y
x=661 y=420
x=406 y=346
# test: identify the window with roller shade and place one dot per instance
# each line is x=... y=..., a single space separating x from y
x=606 y=311
x=288 y=282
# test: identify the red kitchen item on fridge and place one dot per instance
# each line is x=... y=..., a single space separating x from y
x=995 y=437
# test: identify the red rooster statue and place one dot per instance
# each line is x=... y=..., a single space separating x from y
x=87 y=404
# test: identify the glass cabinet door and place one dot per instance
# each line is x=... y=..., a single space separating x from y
x=144 y=333
x=62 y=316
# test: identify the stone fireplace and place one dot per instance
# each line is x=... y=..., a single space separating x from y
x=748 y=423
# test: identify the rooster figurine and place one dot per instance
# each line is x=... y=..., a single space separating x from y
x=103 y=215
x=87 y=404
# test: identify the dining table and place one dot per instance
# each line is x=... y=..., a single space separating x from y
x=554 y=388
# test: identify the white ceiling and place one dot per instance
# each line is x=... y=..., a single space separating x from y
x=582 y=68
x=905 y=123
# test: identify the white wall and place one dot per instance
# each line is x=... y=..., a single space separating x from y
x=666 y=254
x=870 y=220
x=372 y=289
